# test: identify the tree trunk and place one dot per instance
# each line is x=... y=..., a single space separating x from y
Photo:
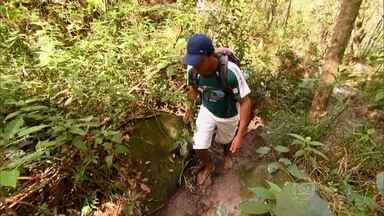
x=340 y=37
x=287 y=15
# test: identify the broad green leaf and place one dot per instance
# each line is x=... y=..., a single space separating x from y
x=293 y=170
x=33 y=108
x=86 y=119
x=36 y=116
x=298 y=137
x=262 y=193
x=274 y=188
x=299 y=153
x=44 y=144
x=78 y=131
x=318 y=153
x=12 y=115
x=298 y=142
x=285 y=161
x=28 y=158
x=9 y=177
x=32 y=100
x=13 y=127
x=300 y=200
x=316 y=143
x=281 y=149
x=252 y=207
x=380 y=183
x=34 y=129
x=263 y=150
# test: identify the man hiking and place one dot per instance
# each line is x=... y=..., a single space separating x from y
x=226 y=107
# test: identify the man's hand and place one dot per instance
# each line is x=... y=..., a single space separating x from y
x=235 y=145
x=245 y=117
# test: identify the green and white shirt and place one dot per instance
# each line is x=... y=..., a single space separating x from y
x=213 y=96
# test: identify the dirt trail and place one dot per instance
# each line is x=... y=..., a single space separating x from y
x=223 y=192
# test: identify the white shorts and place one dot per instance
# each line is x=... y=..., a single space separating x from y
x=207 y=124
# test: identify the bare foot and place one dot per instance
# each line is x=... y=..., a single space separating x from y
x=204 y=173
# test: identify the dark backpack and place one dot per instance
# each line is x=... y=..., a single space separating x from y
x=224 y=55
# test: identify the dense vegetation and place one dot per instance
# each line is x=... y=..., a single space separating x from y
x=74 y=74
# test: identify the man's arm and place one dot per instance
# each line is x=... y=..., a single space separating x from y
x=245 y=117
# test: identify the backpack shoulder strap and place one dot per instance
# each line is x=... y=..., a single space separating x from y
x=223 y=73
x=194 y=78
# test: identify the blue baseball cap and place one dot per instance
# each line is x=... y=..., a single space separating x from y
x=198 y=46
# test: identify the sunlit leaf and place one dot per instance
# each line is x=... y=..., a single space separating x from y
x=301 y=200
x=252 y=207
x=281 y=149
x=293 y=170
x=299 y=153
x=285 y=161
x=262 y=193
x=12 y=115
x=28 y=158
x=274 y=188
x=318 y=153
x=298 y=137
x=33 y=108
x=9 y=177
x=13 y=127
x=78 y=131
x=34 y=129
x=263 y=150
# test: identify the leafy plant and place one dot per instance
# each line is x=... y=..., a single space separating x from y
x=9 y=177
x=292 y=199
x=283 y=163
x=41 y=131
x=307 y=147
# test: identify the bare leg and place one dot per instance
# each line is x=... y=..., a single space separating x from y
x=207 y=167
x=228 y=163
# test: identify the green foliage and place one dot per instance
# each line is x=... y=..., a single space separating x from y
x=9 y=177
x=292 y=199
x=285 y=122
x=283 y=163
x=307 y=147
x=364 y=143
x=361 y=203
x=46 y=131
